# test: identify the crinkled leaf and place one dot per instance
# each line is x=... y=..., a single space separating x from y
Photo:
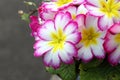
x=104 y=71
x=66 y=72
x=93 y=63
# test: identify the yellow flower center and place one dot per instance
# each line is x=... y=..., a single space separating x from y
x=62 y=2
x=58 y=40
x=117 y=38
x=73 y=16
x=89 y=36
x=110 y=8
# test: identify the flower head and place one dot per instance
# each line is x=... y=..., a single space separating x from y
x=108 y=11
x=91 y=44
x=112 y=44
x=58 y=40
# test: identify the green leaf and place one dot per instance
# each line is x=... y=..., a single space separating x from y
x=93 y=63
x=103 y=71
x=66 y=72
x=25 y=17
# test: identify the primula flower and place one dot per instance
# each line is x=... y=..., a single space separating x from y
x=112 y=44
x=56 y=5
x=91 y=44
x=108 y=11
x=58 y=40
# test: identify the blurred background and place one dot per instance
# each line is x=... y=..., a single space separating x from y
x=16 y=53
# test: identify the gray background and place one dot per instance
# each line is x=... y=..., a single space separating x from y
x=16 y=53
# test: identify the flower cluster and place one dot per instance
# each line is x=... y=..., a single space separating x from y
x=68 y=30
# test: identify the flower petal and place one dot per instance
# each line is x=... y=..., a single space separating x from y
x=70 y=28
x=47 y=58
x=81 y=9
x=114 y=58
x=71 y=32
x=70 y=49
x=110 y=45
x=91 y=21
x=34 y=24
x=41 y=48
x=45 y=31
x=62 y=19
x=80 y=19
x=85 y=54
x=74 y=37
x=55 y=60
x=45 y=15
x=78 y=1
x=39 y=44
x=94 y=11
x=51 y=59
x=105 y=23
x=98 y=50
x=115 y=28
x=50 y=6
x=71 y=9
x=94 y=2
x=67 y=55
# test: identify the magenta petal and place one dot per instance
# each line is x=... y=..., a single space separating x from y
x=34 y=24
x=33 y=18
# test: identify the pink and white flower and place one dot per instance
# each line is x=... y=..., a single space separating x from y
x=112 y=44
x=108 y=11
x=91 y=44
x=58 y=40
x=56 y=5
